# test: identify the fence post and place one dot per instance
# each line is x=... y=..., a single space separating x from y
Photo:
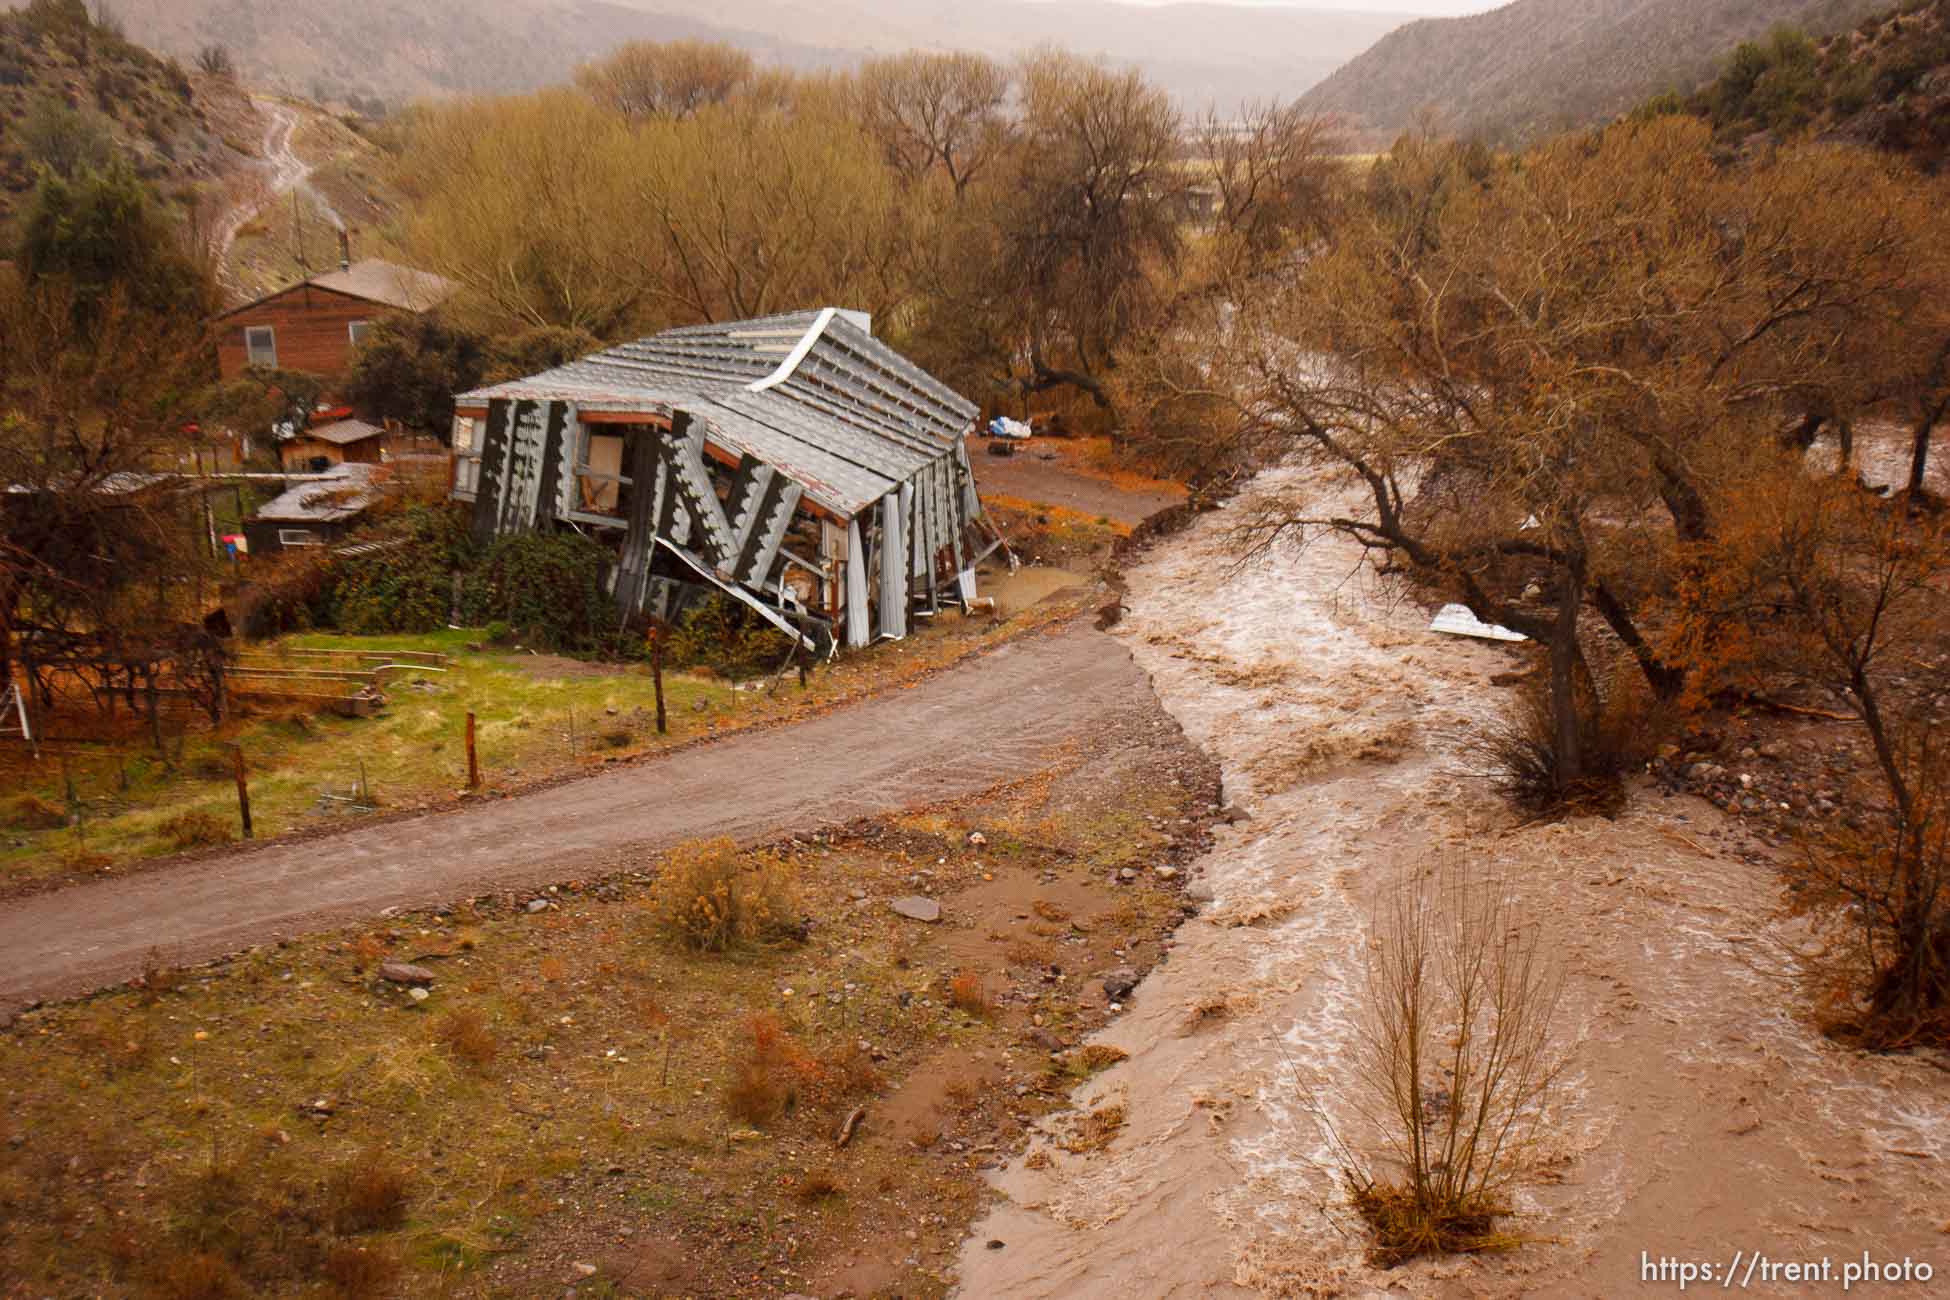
x=473 y=762
x=657 y=673
x=243 y=790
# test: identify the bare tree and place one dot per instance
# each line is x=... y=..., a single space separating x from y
x=1456 y=1065
x=645 y=79
x=1091 y=211
x=935 y=110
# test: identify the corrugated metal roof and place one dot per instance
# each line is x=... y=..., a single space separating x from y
x=343 y=492
x=849 y=421
x=342 y=432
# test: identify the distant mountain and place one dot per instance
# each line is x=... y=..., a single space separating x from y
x=1538 y=66
x=353 y=50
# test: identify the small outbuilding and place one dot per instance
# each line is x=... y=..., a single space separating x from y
x=317 y=511
x=338 y=443
x=794 y=463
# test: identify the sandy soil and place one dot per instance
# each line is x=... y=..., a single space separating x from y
x=1702 y=1117
x=1051 y=471
x=954 y=734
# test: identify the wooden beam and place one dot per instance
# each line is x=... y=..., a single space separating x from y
x=471 y=412
x=624 y=417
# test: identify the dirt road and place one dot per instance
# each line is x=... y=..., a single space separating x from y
x=1703 y=1117
x=957 y=733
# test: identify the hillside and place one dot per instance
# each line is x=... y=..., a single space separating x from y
x=1536 y=66
x=77 y=93
x=357 y=50
x=1884 y=83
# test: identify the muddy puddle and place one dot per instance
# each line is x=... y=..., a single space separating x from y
x=1702 y=1116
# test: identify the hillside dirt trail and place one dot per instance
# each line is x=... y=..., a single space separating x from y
x=282 y=171
x=955 y=734
x=1701 y=1117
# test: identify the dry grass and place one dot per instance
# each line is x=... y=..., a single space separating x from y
x=709 y=899
x=360 y=1272
x=818 y=1185
x=770 y=1077
x=1097 y=1129
x=968 y=991
x=194 y=829
x=28 y=812
x=367 y=1194
x=465 y=1033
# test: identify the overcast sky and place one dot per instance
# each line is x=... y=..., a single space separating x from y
x=1424 y=8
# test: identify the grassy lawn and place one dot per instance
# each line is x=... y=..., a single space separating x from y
x=537 y=718
x=581 y=1100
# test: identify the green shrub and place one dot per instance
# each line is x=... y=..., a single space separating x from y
x=293 y=594
x=727 y=637
x=548 y=587
x=407 y=587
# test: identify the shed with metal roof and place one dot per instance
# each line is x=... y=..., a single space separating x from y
x=794 y=462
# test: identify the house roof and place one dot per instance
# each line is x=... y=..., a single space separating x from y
x=811 y=394
x=375 y=280
x=341 y=493
x=342 y=432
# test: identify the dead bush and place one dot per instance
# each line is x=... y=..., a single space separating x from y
x=465 y=1033
x=968 y=991
x=1455 y=1065
x=366 y=1194
x=709 y=900
x=1519 y=754
x=360 y=1272
x=817 y=1185
x=194 y=829
x=616 y=737
x=198 y=1275
x=116 y=1044
x=772 y=1075
x=28 y=812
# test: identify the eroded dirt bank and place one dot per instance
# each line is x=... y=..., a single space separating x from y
x=1703 y=1117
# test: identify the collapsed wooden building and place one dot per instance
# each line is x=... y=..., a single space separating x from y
x=794 y=463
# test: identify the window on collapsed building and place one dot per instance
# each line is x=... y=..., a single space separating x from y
x=261 y=346
x=602 y=490
x=467 y=455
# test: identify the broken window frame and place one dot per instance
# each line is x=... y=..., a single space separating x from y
x=581 y=473
x=468 y=433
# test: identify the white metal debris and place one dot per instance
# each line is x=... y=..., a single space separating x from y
x=1456 y=620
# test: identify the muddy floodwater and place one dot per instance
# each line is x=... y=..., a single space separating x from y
x=1702 y=1116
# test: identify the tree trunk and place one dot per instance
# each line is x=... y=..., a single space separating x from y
x=1564 y=658
x=1666 y=681
x=1919 y=445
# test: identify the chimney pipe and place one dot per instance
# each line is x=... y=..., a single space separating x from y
x=345 y=250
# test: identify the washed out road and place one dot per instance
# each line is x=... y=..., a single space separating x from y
x=957 y=733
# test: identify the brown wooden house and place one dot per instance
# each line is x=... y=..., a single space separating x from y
x=314 y=325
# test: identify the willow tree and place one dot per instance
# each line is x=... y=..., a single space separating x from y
x=527 y=203
x=647 y=79
x=1558 y=373
x=929 y=111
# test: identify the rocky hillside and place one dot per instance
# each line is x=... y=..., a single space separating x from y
x=351 y=52
x=1537 y=66
x=74 y=92
x=1884 y=83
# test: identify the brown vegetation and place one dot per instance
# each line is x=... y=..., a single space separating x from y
x=1456 y=1064
x=708 y=899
